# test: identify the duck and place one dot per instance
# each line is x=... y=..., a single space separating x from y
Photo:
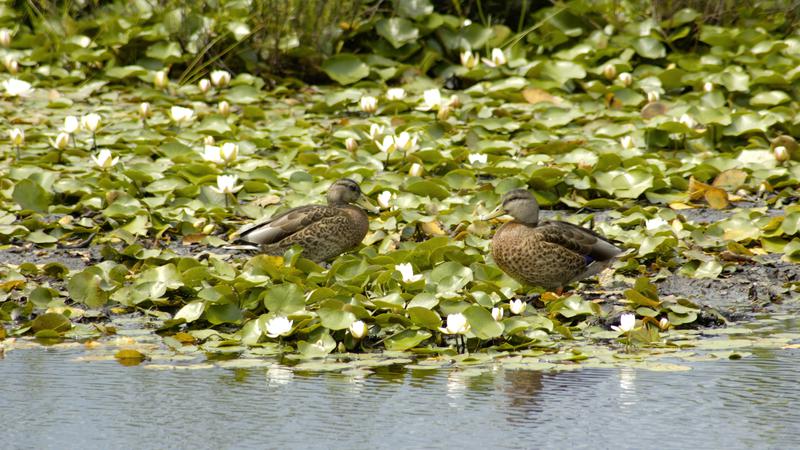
x=322 y=231
x=551 y=254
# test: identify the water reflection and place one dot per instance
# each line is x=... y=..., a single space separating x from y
x=627 y=387
x=521 y=389
x=50 y=399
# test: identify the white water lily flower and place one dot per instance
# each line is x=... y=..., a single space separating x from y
x=229 y=152
x=5 y=37
x=368 y=104
x=12 y=66
x=104 y=159
x=17 y=136
x=456 y=324
x=17 y=88
x=627 y=142
x=71 y=124
x=209 y=140
x=455 y=101
x=351 y=144
x=609 y=71
x=144 y=110
x=213 y=154
x=626 y=323
x=204 y=85
x=278 y=326
x=663 y=323
x=224 y=108
x=406 y=142
x=387 y=145
x=653 y=96
x=91 y=122
x=160 y=79
x=468 y=59
x=358 y=329
x=395 y=94
x=415 y=170
x=179 y=114
x=497 y=314
x=477 y=158
x=517 y=306
x=220 y=78
x=407 y=272
x=385 y=199
x=497 y=58
x=626 y=78
x=655 y=224
x=687 y=120
x=61 y=142
x=226 y=184
x=431 y=100
x=781 y=153
x=375 y=131
x=708 y=86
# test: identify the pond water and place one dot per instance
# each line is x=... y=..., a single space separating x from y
x=51 y=401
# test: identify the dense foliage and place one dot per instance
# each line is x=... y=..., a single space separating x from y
x=590 y=110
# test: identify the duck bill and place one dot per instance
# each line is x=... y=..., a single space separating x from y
x=496 y=213
x=363 y=201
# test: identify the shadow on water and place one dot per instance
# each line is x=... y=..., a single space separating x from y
x=51 y=401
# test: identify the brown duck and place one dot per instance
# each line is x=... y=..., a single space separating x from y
x=550 y=254
x=323 y=231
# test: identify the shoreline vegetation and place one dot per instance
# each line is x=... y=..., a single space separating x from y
x=139 y=137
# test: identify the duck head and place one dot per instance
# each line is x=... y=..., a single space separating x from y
x=345 y=191
x=519 y=204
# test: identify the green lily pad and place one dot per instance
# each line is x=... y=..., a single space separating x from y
x=345 y=68
x=30 y=195
x=397 y=30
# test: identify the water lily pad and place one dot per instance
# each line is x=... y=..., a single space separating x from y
x=30 y=195
x=345 y=68
x=397 y=30
x=406 y=339
x=51 y=321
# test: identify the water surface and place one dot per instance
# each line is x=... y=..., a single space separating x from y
x=51 y=401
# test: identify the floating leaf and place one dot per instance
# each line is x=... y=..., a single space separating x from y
x=397 y=30
x=84 y=287
x=191 y=311
x=345 y=68
x=51 y=321
x=30 y=195
x=406 y=339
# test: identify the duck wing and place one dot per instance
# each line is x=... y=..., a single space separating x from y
x=580 y=240
x=283 y=225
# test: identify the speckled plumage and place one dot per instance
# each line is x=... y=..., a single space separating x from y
x=323 y=231
x=549 y=254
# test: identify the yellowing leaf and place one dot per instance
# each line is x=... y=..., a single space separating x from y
x=730 y=179
x=697 y=189
x=184 y=338
x=717 y=198
x=129 y=354
x=433 y=228
x=193 y=238
x=536 y=95
x=637 y=298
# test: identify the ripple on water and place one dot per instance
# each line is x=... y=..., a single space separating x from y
x=50 y=399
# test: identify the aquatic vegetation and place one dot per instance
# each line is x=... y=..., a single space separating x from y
x=683 y=154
